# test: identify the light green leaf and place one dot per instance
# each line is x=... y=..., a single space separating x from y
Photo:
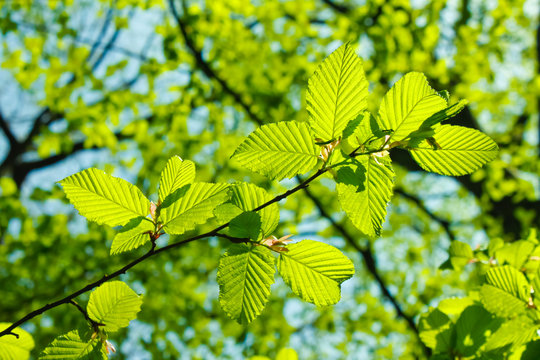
x=287 y=354
x=13 y=348
x=103 y=198
x=246 y=197
x=455 y=150
x=176 y=174
x=244 y=275
x=506 y=292
x=337 y=93
x=407 y=105
x=460 y=254
x=114 y=304
x=364 y=189
x=191 y=205
x=134 y=234
x=472 y=329
x=515 y=254
x=514 y=332
x=315 y=271
x=73 y=346
x=279 y=150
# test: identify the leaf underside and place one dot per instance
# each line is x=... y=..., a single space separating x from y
x=134 y=234
x=176 y=174
x=72 y=346
x=13 y=348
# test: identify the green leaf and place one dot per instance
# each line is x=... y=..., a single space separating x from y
x=191 y=205
x=278 y=150
x=13 y=348
x=513 y=333
x=315 y=271
x=364 y=189
x=244 y=275
x=176 y=174
x=103 y=198
x=246 y=197
x=455 y=150
x=437 y=331
x=73 y=346
x=472 y=329
x=515 y=254
x=287 y=354
x=337 y=93
x=506 y=292
x=407 y=105
x=246 y=225
x=114 y=304
x=460 y=254
x=134 y=234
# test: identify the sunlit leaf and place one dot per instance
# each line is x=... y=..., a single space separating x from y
x=245 y=274
x=279 y=150
x=114 y=304
x=74 y=345
x=176 y=174
x=13 y=348
x=134 y=234
x=337 y=93
x=315 y=271
x=103 y=198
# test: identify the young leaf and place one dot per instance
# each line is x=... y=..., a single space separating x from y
x=506 y=292
x=455 y=150
x=364 y=189
x=176 y=174
x=472 y=328
x=426 y=129
x=245 y=274
x=113 y=304
x=460 y=254
x=513 y=332
x=278 y=150
x=407 y=105
x=436 y=330
x=246 y=225
x=246 y=197
x=73 y=346
x=103 y=198
x=315 y=271
x=191 y=205
x=337 y=93
x=15 y=348
x=134 y=234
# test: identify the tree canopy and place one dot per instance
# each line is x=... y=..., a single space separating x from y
x=192 y=108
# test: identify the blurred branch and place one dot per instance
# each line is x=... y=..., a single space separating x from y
x=338 y=7
x=205 y=67
x=7 y=131
x=445 y=224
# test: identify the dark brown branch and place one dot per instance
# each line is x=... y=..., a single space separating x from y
x=206 y=68
x=338 y=7
x=445 y=224
x=7 y=131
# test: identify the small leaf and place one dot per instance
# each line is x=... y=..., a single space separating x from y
x=407 y=105
x=245 y=274
x=13 y=348
x=103 y=198
x=315 y=271
x=246 y=197
x=246 y=225
x=337 y=93
x=459 y=151
x=191 y=205
x=278 y=150
x=460 y=254
x=176 y=174
x=114 y=304
x=364 y=189
x=287 y=354
x=134 y=234
x=73 y=346
x=437 y=331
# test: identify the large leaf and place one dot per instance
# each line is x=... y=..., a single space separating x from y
x=103 y=198
x=364 y=189
x=176 y=174
x=437 y=331
x=506 y=292
x=246 y=197
x=472 y=328
x=407 y=105
x=114 y=304
x=426 y=129
x=134 y=234
x=455 y=150
x=513 y=332
x=337 y=93
x=74 y=345
x=13 y=348
x=244 y=276
x=315 y=271
x=191 y=205
x=279 y=150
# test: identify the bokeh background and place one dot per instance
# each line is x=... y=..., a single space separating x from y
x=124 y=84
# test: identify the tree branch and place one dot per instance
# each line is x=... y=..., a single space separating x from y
x=152 y=252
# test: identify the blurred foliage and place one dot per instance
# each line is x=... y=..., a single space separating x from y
x=125 y=84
